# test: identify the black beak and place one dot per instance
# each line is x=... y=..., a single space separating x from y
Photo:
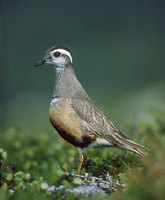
x=42 y=62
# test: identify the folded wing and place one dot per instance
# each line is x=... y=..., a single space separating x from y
x=95 y=121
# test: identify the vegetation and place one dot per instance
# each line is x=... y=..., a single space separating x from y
x=30 y=164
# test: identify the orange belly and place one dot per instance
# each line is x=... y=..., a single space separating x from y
x=66 y=122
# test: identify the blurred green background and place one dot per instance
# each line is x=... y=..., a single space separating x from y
x=118 y=53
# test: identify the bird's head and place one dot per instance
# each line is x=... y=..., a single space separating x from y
x=58 y=56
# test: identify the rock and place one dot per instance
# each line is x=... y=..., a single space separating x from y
x=89 y=185
x=87 y=189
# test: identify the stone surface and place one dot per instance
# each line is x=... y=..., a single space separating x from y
x=90 y=186
x=86 y=189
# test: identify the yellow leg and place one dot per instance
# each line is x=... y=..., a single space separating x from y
x=81 y=159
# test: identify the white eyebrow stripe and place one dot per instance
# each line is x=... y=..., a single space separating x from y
x=63 y=51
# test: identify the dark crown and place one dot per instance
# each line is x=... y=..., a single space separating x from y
x=59 y=47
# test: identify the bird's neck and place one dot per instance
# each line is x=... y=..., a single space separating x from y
x=66 y=84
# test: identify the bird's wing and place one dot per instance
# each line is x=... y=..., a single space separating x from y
x=96 y=122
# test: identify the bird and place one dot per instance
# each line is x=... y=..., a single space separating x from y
x=74 y=115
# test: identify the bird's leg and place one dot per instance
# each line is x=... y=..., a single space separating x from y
x=81 y=159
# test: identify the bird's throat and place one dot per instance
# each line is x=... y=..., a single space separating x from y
x=66 y=83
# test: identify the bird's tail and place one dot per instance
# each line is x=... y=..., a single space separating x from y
x=137 y=148
x=126 y=143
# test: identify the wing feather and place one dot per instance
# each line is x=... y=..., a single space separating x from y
x=94 y=119
x=96 y=122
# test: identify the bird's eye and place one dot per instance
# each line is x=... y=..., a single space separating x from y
x=57 y=54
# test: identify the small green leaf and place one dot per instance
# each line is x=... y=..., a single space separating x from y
x=77 y=181
x=41 y=180
x=19 y=174
x=17 y=180
x=4 y=186
x=9 y=177
x=44 y=186
x=27 y=176
x=4 y=155
x=59 y=172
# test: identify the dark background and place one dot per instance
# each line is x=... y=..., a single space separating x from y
x=118 y=53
